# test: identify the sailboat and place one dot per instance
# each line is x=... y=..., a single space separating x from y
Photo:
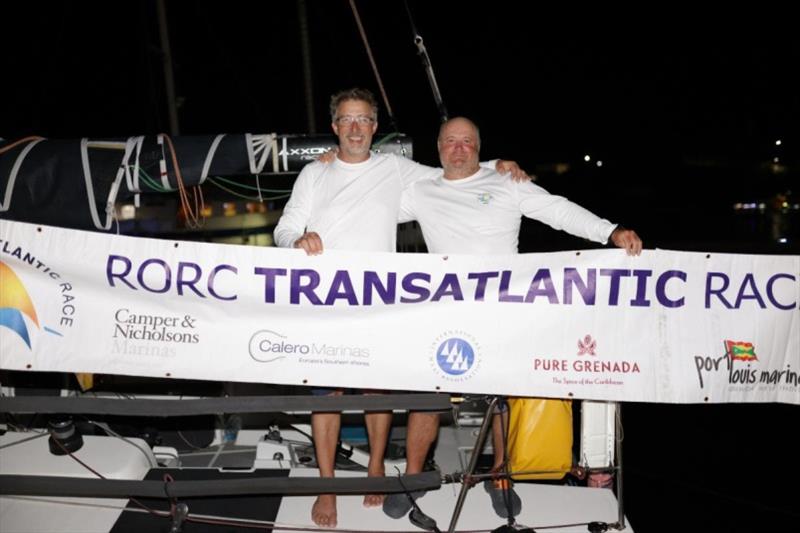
x=172 y=455
x=79 y=466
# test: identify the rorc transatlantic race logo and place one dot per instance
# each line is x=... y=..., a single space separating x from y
x=739 y=365
x=54 y=298
x=14 y=304
x=455 y=356
x=583 y=370
x=267 y=346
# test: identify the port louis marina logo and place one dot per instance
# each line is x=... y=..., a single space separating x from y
x=18 y=314
x=739 y=362
x=455 y=356
x=586 y=367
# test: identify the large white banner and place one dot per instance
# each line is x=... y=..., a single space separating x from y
x=667 y=326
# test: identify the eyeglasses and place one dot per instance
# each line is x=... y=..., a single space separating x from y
x=361 y=120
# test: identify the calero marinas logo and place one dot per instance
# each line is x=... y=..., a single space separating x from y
x=740 y=351
x=14 y=302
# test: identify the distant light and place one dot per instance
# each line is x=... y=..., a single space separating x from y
x=783 y=240
x=778 y=142
x=127 y=212
x=599 y=163
x=737 y=205
x=587 y=158
x=785 y=204
x=229 y=209
x=776 y=160
x=762 y=206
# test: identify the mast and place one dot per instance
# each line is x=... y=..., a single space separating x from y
x=305 y=47
x=166 y=59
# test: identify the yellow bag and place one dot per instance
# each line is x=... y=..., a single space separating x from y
x=540 y=437
x=85 y=381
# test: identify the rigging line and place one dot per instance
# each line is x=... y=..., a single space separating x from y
x=131 y=178
x=112 y=211
x=250 y=187
x=188 y=443
x=161 y=514
x=152 y=183
x=242 y=450
x=232 y=521
x=23 y=440
x=105 y=427
x=5 y=204
x=454 y=478
x=6 y=148
x=194 y=217
x=241 y=522
x=260 y=524
x=242 y=196
x=210 y=157
x=202 y=518
x=426 y=64
x=258 y=185
x=92 y=505
x=134 y=185
x=374 y=65
x=216 y=455
x=112 y=193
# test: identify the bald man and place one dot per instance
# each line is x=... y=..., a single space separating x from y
x=472 y=210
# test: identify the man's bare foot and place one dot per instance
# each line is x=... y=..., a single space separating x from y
x=374 y=500
x=323 y=512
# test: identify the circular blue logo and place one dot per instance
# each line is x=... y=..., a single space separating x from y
x=455 y=356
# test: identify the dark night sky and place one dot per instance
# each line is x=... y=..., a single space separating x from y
x=546 y=86
x=683 y=107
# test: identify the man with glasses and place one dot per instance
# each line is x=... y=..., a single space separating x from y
x=351 y=204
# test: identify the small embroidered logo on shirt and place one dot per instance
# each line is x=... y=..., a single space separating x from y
x=484 y=198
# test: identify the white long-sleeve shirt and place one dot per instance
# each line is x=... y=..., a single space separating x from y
x=481 y=214
x=352 y=206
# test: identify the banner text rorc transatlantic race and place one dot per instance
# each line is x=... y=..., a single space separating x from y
x=673 y=327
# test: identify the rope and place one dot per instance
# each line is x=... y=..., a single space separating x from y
x=5 y=205
x=8 y=147
x=194 y=216
x=113 y=191
x=374 y=65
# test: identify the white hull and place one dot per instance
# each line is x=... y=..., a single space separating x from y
x=559 y=508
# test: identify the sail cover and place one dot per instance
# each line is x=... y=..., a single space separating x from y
x=75 y=183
